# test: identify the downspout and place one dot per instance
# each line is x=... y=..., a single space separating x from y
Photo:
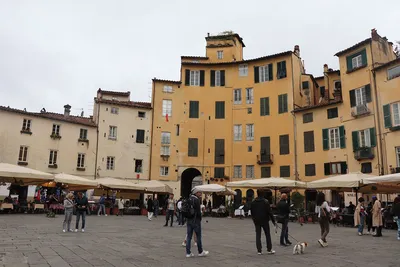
x=97 y=140
x=296 y=174
x=151 y=130
x=377 y=120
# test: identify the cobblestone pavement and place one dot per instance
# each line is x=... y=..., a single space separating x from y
x=34 y=240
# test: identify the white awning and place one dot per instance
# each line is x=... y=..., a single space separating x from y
x=273 y=182
x=15 y=174
x=75 y=182
x=350 y=180
x=214 y=188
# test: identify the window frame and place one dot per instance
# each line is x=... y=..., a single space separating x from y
x=26 y=124
x=165 y=138
x=138 y=141
x=397 y=151
x=110 y=163
x=329 y=113
x=313 y=170
x=23 y=154
x=114 y=110
x=243 y=70
x=191 y=152
x=250 y=132
x=167 y=107
x=395 y=115
x=143 y=113
x=309 y=120
x=112 y=132
x=337 y=166
x=140 y=166
x=282 y=171
x=237 y=134
x=237 y=171
x=81 y=160
x=83 y=134
x=366 y=134
x=250 y=169
x=237 y=96
x=167 y=89
x=249 y=95
x=263 y=72
x=358 y=61
x=220 y=54
x=56 y=129
x=336 y=138
x=53 y=156
x=308 y=146
x=164 y=170
x=396 y=75
x=165 y=150
x=194 y=78
x=265 y=168
x=360 y=95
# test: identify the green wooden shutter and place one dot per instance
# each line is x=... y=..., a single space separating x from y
x=262 y=106
x=256 y=75
x=223 y=109
x=342 y=135
x=325 y=139
x=212 y=78
x=349 y=63
x=270 y=72
x=327 y=168
x=284 y=69
x=222 y=78
x=364 y=57
x=352 y=98
x=354 y=136
x=387 y=116
x=267 y=106
x=285 y=103
x=368 y=93
x=372 y=136
x=343 y=167
x=280 y=104
x=202 y=78
x=187 y=77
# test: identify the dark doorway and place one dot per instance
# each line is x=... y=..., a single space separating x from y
x=186 y=180
x=249 y=195
x=311 y=199
x=238 y=198
x=218 y=200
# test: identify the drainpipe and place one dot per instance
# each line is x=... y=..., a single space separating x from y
x=296 y=174
x=97 y=140
x=151 y=130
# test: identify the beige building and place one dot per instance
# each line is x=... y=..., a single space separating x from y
x=48 y=141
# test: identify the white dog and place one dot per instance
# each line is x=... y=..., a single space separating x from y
x=299 y=248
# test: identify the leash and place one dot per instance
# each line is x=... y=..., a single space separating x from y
x=276 y=232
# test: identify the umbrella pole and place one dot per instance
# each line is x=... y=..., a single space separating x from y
x=356 y=196
x=275 y=196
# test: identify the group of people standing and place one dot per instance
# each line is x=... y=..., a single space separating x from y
x=80 y=203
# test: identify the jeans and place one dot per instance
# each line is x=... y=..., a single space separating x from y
x=80 y=213
x=68 y=219
x=398 y=227
x=155 y=211
x=180 y=218
x=361 y=225
x=102 y=207
x=285 y=232
x=267 y=233
x=194 y=226
x=170 y=214
x=324 y=224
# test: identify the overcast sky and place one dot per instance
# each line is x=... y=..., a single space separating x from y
x=58 y=52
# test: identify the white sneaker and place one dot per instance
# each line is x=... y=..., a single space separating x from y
x=325 y=244
x=63 y=230
x=321 y=242
x=259 y=253
x=70 y=230
x=106 y=215
x=76 y=230
x=195 y=244
x=189 y=255
x=398 y=238
x=98 y=215
x=368 y=233
x=271 y=252
x=360 y=234
x=183 y=244
x=204 y=253
x=83 y=230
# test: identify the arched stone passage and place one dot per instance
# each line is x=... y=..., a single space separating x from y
x=249 y=195
x=238 y=198
x=187 y=178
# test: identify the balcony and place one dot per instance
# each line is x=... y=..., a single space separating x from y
x=360 y=110
x=264 y=159
x=364 y=153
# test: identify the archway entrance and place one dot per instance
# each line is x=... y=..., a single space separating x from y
x=238 y=198
x=249 y=195
x=188 y=180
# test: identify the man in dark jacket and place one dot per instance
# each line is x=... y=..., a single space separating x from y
x=396 y=214
x=283 y=217
x=150 y=208
x=81 y=207
x=261 y=214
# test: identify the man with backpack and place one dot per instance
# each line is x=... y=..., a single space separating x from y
x=192 y=212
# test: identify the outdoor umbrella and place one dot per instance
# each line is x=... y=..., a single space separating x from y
x=118 y=184
x=15 y=174
x=344 y=182
x=393 y=179
x=75 y=182
x=214 y=188
x=273 y=182
x=154 y=186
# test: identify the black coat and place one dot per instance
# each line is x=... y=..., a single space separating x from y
x=150 y=205
x=396 y=209
x=261 y=211
x=284 y=209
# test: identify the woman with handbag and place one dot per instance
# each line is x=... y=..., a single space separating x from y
x=359 y=216
x=323 y=210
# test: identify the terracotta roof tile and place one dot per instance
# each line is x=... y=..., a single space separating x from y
x=366 y=41
x=115 y=93
x=193 y=57
x=166 y=81
x=132 y=104
x=324 y=103
x=53 y=116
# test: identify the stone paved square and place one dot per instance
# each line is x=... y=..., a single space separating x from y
x=34 y=240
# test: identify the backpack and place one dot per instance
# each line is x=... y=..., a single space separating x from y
x=187 y=208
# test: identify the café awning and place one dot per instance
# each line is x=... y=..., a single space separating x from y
x=154 y=186
x=75 y=182
x=273 y=183
x=344 y=181
x=15 y=174
x=119 y=184
x=214 y=188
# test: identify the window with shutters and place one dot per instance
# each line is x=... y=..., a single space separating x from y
x=110 y=163
x=265 y=73
x=391 y=115
x=237 y=132
x=220 y=109
x=114 y=110
x=140 y=136
x=23 y=154
x=194 y=109
x=305 y=85
x=308 y=117
x=250 y=172
x=393 y=72
x=249 y=96
x=237 y=171
x=194 y=78
x=26 y=125
x=164 y=170
x=364 y=138
x=167 y=89
x=165 y=138
x=309 y=141
x=83 y=134
x=361 y=97
x=357 y=60
x=396 y=114
x=284 y=171
x=264 y=106
x=220 y=54
x=249 y=132
x=335 y=168
x=282 y=104
x=138 y=165
x=397 y=149
x=237 y=96
x=284 y=144
x=332 y=113
x=112 y=134
x=243 y=70
x=265 y=172
x=334 y=138
x=217 y=78
x=167 y=107
x=310 y=169
x=192 y=147
x=219 y=172
x=219 y=151
x=358 y=100
x=281 y=73
x=366 y=167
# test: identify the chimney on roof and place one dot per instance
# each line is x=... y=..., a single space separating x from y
x=297 y=50
x=374 y=34
x=208 y=34
x=67 y=110
x=326 y=68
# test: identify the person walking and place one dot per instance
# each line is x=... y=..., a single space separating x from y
x=359 y=216
x=69 y=211
x=323 y=210
x=261 y=214
x=102 y=206
x=369 y=219
x=179 y=211
x=156 y=205
x=150 y=207
x=81 y=205
x=194 y=225
x=121 y=204
x=171 y=207
x=396 y=214
x=377 y=221
x=284 y=211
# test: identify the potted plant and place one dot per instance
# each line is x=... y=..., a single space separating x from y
x=298 y=202
x=107 y=204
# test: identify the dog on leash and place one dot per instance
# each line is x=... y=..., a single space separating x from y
x=299 y=248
